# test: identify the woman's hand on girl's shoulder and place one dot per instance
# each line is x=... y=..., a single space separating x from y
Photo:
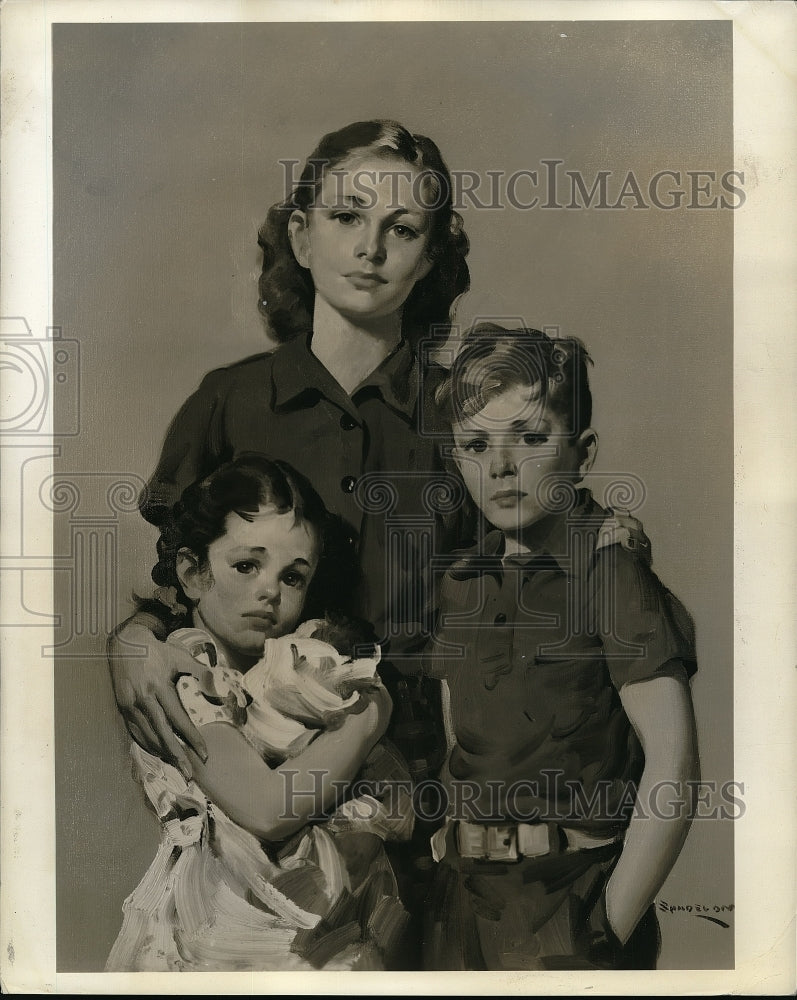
x=143 y=671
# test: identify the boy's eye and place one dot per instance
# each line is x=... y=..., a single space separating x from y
x=532 y=439
x=293 y=579
x=477 y=445
x=345 y=218
x=245 y=567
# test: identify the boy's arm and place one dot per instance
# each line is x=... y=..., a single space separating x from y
x=147 y=699
x=274 y=803
x=660 y=710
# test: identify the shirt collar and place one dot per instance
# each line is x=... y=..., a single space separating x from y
x=297 y=373
x=551 y=543
x=396 y=379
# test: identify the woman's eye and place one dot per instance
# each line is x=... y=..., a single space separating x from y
x=477 y=445
x=245 y=567
x=293 y=579
x=535 y=439
x=404 y=232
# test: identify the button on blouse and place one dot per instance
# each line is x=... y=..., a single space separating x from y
x=286 y=405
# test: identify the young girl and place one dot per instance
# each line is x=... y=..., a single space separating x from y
x=242 y=879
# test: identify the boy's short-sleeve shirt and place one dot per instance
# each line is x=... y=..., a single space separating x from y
x=535 y=650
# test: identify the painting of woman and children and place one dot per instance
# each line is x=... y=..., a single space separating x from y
x=427 y=663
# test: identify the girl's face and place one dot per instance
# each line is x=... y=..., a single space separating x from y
x=254 y=584
x=366 y=237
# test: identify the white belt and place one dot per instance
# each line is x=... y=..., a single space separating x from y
x=510 y=841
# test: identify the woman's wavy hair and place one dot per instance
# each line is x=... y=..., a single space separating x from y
x=286 y=290
x=242 y=486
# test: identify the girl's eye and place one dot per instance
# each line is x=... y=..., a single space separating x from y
x=405 y=232
x=245 y=567
x=476 y=445
x=535 y=439
x=292 y=579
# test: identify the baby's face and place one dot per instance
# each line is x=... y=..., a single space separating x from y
x=511 y=455
x=257 y=582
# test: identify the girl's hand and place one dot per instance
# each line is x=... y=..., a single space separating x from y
x=147 y=698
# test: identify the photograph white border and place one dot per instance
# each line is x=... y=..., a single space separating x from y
x=765 y=373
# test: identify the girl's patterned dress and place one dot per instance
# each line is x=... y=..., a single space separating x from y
x=215 y=898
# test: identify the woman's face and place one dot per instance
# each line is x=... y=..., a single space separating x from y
x=255 y=582
x=365 y=239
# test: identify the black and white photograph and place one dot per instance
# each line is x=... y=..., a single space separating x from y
x=397 y=495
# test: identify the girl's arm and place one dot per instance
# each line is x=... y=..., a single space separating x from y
x=275 y=803
x=143 y=686
x=661 y=712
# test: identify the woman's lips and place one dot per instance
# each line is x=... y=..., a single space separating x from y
x=365 y=279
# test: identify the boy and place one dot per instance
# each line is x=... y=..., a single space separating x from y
x=564 y=655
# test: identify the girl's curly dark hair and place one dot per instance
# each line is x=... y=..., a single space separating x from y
x=242 y=486
x=286 y=290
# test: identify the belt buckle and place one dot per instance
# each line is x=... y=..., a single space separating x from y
x=533 y=840
x=470 y=840
x=501 y=843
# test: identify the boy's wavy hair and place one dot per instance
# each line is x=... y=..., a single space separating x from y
x=242 y=486
x=493 y=359
x=286 y=290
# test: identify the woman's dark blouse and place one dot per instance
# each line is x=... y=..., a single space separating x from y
x=362 y=453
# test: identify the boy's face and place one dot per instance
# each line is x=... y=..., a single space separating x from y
x=511 y=455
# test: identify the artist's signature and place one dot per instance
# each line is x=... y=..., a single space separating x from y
x=702 y=910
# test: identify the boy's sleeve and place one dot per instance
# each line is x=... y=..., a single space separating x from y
x=643 y=625
x=193 y=446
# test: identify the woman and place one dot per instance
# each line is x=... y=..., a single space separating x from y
x=361 y=262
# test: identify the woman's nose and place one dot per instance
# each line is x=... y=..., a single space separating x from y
x=371 y=244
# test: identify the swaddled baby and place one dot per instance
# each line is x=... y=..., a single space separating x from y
x=305 y=682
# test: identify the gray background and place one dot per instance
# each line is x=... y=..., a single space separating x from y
x=166 y=142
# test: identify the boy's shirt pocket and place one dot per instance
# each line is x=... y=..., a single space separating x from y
x=568 y=693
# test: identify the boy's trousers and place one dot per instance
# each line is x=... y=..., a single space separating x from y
x=531 y=914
